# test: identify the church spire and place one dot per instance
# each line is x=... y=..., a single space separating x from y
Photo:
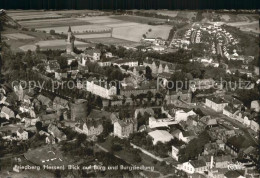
x=69 y=29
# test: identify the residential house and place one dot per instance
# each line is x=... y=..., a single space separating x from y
x=233 y=174
x=100 y=88
x=201 y=84
x=91 y=127
x=230 y=111
x=222 y=161
x=60 y=103
x=208 y=159
x=158 y=66
x=93 y=54
x=236 y=144
x=254 y=125
x=142 y=111
x=221 y=145
x=194 y=166
x=123 y=129
x=61 y=74
x=7 y=113
x=175 y=152
x=185 y=136
x=160 y=136
x=127 y=62
x=143 y=88
x=172 y=95
x=255 y=105
x=22 y=134
x=165 y=122
x=50 y=139
x=55 y=132
x=49 y=118
x=181 y=115
x=52 y=66
x=44 y=100
x=216 y=103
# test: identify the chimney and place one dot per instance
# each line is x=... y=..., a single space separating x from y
x=245 y=172
x=211 y=162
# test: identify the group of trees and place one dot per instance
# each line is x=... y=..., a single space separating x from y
x=161 y=149
x=194 y=147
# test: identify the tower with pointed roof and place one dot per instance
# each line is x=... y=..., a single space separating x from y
x=70 y=42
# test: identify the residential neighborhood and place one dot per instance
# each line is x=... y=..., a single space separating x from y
x=184 y=105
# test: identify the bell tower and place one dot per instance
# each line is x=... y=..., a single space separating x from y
x=70 y=41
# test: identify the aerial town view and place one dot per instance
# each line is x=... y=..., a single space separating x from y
x=129 y=93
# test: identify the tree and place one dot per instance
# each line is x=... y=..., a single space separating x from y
x=149 y=95
x=116 y=147
x=99 y=102
x=144 y=36
x=63 y=62
x=38 y=49
x=137 y=158
x=38 y=126
x=148 y=73
x=52 y=32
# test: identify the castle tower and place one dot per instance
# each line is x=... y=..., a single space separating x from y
x=70 y=42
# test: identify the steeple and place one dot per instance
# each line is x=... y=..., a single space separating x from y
x=69 y=29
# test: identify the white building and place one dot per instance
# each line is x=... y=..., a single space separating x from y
x=22 y=134
x=101 y=88
x=160 y=136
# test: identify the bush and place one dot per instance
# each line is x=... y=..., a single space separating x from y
x=116 y=147
x=52 y=32
x=163 y=163
x=137 y=158
x=155 y=161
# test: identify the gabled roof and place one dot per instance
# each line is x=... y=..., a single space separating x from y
x=43 y=99
x=223 y=158
x=198 y=163
x=60 y=101
x=8 y=111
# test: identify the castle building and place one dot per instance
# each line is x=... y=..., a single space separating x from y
x=70 y=42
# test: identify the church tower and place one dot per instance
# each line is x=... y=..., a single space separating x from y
x=70 y=41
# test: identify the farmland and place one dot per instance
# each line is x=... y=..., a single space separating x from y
x=52 y=44
x=76 y=29
x=17 y=36
x=137 y=19
x=134 y=32
x=114 y=41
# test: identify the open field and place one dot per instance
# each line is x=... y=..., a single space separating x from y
x=246 y=26
x=43 y=23
x=52 y=44
x=114 y=41
x=17 y=36
x=47 y=155
x=76 y=29
x=33 y=15
x=137 y=19
x=97 y=35
x=100 y=20
x=135 y=32
x=187 y=14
